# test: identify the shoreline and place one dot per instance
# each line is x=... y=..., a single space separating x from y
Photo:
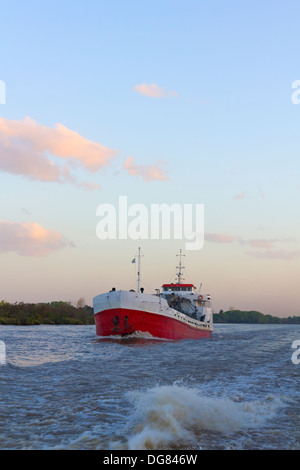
x=64 y=313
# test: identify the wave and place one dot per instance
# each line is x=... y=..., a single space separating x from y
x=174 y=416
x=136 y=335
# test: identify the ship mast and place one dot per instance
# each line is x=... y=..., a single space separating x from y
x=139 y=269
x=180 y=267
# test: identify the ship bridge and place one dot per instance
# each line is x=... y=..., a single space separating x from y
x=185 y=291
x=178 y=287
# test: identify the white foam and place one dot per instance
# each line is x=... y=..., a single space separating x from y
x=170 y=416
x=2 y=353
x=134 y=335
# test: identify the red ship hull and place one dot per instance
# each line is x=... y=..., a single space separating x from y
x=123 y=322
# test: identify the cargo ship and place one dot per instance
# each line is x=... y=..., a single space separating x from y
x=176 y=311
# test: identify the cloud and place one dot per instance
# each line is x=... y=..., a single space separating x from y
x=259 y=242
x=25 y=146
x=244 y=194
x=60 y=141
x=20 y=160
x=154 y=91
x=30 y=239
x=219 y=238
x=91 y=186
x=265 y=244
x=26 y=211
x=280 y=254
x=148 y=172
x=241 y=195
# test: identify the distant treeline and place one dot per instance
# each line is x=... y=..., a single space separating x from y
x=239 y=316
x=64 y=313
x=53 y=313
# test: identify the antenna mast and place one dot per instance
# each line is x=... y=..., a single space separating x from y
x=180 y=267
x=139 y=269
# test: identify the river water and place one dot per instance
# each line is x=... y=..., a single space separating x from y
x=61 y=387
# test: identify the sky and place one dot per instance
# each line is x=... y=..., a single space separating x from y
x=164 y=102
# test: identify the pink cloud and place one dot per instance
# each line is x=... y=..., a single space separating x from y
x=284 y=255
x=60 y=141
x=154 y=91
x=148 y=172
x=25 y=147
x=219 y=238
x=91 y=186
x=21 y=160
x=263 y=243
x=240 y=195
x=259 y=243
x=30 y=239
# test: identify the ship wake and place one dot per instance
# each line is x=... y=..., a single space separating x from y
x=136 y=335
x=170 y=417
